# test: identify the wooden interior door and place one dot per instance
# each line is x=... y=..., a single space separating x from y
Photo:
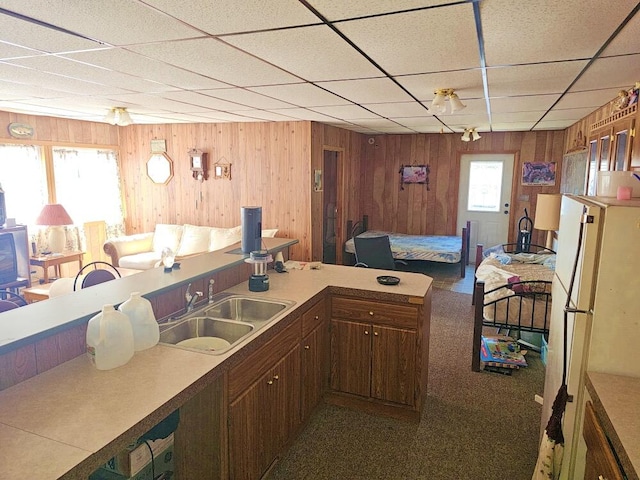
x=331 y=207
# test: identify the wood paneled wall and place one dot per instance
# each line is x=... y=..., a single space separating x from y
x=270 y=167
x=416 y=210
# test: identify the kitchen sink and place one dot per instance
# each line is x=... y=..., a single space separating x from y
x=205 y=333
x=219 y=326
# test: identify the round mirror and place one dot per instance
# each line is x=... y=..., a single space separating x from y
x=159 y=168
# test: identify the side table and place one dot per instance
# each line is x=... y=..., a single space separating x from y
x=55 y=260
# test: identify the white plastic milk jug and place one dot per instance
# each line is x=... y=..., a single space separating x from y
x=109 y=339
x=146 y=331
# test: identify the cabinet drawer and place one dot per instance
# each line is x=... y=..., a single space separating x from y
x=402 y=316
x=249 y=370
x=313 y=317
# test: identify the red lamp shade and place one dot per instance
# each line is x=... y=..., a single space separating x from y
x=53 y=214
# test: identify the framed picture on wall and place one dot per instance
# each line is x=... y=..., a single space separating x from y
x=539 y=173
x=414 y=174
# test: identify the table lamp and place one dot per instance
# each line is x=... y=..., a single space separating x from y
x=55 y=216
x=548 y=214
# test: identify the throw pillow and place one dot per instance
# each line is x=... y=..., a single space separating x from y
x=167 y=236
x=194 y=240
x=223 y=237
x=269 y=232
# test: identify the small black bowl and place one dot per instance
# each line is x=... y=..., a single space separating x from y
x=388 y=280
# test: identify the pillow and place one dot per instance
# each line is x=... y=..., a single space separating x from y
x=223 y=237
x=269 y=233
x=194 y=240
x=167 y=236
x=497 y=249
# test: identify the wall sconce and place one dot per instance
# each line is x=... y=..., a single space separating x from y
x=118 y=116
x=439 y=104
x=470 y=134
x=198 y=164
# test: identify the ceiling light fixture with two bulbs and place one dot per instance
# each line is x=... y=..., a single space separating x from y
x=470 y=134
x=439 y=105
x=118 y=116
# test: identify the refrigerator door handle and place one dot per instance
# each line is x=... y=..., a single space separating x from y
x=576 y=310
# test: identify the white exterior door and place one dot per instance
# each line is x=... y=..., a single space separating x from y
x=484 y=198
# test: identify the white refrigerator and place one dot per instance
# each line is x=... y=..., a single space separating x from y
x=606 y=337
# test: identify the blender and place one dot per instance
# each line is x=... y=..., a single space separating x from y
x=259 y=280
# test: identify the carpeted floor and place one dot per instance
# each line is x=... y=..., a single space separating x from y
x=474 y=425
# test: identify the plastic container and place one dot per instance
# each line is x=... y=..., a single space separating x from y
x=109 y=339
x=608 y=183
x=146 y=331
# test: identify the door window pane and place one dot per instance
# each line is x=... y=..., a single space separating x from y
x=604 y=153
x=621 y=148
x=485 y=186
x=593 y=166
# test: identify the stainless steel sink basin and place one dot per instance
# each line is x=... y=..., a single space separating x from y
x=231 y=318
x=208 y=331
x=246 y=309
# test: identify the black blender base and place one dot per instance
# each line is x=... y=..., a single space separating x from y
x=258 y=283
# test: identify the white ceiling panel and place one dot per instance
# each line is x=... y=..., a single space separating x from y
x=230 y=16
x=418 y=42
x=370 y=90
x=548 y=30
x=319 y=53
x=214 y=59
x=352 y=64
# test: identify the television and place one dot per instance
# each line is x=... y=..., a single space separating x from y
x=8 y=260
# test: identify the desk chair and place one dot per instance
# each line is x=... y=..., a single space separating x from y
x=95 y=276
x=375 y=252
x=10 y=300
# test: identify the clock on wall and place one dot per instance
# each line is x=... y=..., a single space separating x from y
x=198 y=162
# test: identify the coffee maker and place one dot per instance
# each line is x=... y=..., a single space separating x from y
x=259 y=280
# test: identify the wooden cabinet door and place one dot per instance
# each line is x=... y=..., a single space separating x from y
x=600 y=461
x=351 y=357
x=283 y=414
x=315 y=348
x=393 y=364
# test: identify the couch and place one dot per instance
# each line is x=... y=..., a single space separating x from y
x=143 y=251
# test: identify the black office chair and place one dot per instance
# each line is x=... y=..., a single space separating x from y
x=375 y=252
x=95 y=276
x=10 y=300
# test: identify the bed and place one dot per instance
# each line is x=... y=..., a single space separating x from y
x=432 y=248
x=512 y=292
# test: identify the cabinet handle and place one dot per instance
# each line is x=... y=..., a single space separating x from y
x=276 y=377
x=316 y=317
x=371 y=314
x=375 y=334
x=366 y=332
x=307 y=347
x=270 y=382
x=600 y=477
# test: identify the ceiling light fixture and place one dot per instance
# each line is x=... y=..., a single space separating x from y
x=118 y=116
x=439 y=105
x=470 y=134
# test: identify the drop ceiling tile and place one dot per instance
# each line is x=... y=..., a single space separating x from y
x=304 y=114
x=395 y=130
x=301 y=94
x=312 y=53
x=339 y=10
x=548 y=30
x=514 y=117
x=570 y=114
x=553 y=124
x=29 y=35
x=539 y=79
x=15 y=90
x=526 y=103
x=229 y=16
x=205 y=101
x=626 y=41
x=376 y=123
x=120 y=60
x=590 y=98
x=512 y=127
x=418 y=122
x=31 y=108
x=398 y=109
x=347 y=112
x=81 y=71
x=214 y=59
x=268 y=116
x=418 y=42
x=466 y=83
x=371 y=90
x=158 y=103
x=215 y=116
x=136 y=22
x=246 y=97
x=610 y=72
x=8 y=50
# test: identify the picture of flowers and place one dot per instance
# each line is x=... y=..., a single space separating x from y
x=539 y=174
x=414 y=174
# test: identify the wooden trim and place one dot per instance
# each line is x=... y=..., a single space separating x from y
x=614 y=117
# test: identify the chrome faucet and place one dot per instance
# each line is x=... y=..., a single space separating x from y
x=191 y=299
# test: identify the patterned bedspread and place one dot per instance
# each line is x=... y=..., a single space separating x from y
x=434 y=248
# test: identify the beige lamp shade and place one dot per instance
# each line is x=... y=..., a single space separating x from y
x=55 y=216
x=548 y=214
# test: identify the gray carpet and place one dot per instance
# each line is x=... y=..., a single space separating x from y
x=474 y=425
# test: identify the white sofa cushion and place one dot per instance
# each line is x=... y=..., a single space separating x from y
x=194 y=240
x=141 y=261
x=166 y=235
x=269 y=232
x=223 y=237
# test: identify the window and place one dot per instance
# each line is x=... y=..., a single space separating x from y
x=485 y=186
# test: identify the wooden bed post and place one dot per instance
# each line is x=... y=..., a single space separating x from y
x=478 y=295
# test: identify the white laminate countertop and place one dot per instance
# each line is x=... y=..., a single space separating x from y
x=77 y=413
x=617 y=402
